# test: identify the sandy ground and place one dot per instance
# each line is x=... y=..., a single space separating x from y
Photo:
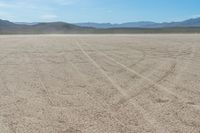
x=100 y=84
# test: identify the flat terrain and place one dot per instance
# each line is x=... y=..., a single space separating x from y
x=100 y=83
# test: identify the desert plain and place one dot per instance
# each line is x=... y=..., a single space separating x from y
x=145 y=83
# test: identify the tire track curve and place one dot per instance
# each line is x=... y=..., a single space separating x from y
x=145 y=114
x=177 y=96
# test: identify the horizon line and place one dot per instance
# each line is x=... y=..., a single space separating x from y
x=100 y=22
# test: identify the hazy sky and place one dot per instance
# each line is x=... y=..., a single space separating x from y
x=115 y=11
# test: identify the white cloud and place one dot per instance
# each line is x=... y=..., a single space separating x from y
x=48 y=17
x=196 y=16
x=6 y=16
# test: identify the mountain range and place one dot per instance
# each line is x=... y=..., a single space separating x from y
x=187 y=26
x=195 y=22
x=7 y=27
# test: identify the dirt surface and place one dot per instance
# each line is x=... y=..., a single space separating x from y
x=100 y=84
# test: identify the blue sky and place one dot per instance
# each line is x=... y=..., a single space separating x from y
x=114 y=11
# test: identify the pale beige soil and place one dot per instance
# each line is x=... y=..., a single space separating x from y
x=100 y=84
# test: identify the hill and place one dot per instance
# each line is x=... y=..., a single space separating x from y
x=6 y=23
x=7 y=27
x=187 y=26
x=195 y=22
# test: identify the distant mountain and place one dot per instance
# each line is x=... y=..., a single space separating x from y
x=123 y=25
x=56 y=26
x=195 y=22
x=7 y=27
x=26 y=23
x=95 y=25
x=6 y=23
x=136 y=24
x=187 y=26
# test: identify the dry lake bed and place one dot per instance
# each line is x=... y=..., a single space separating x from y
x=100 y=83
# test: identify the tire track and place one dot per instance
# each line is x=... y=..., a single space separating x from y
x=151 y=85
x=44 y=88
x=145 y=114
x=177 y=96
x=172 y=69
x=137 y=62
x=117 y=51
x=111 y=112
x=186 y=65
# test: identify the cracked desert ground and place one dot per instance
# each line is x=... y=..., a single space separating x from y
x=100 y=83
